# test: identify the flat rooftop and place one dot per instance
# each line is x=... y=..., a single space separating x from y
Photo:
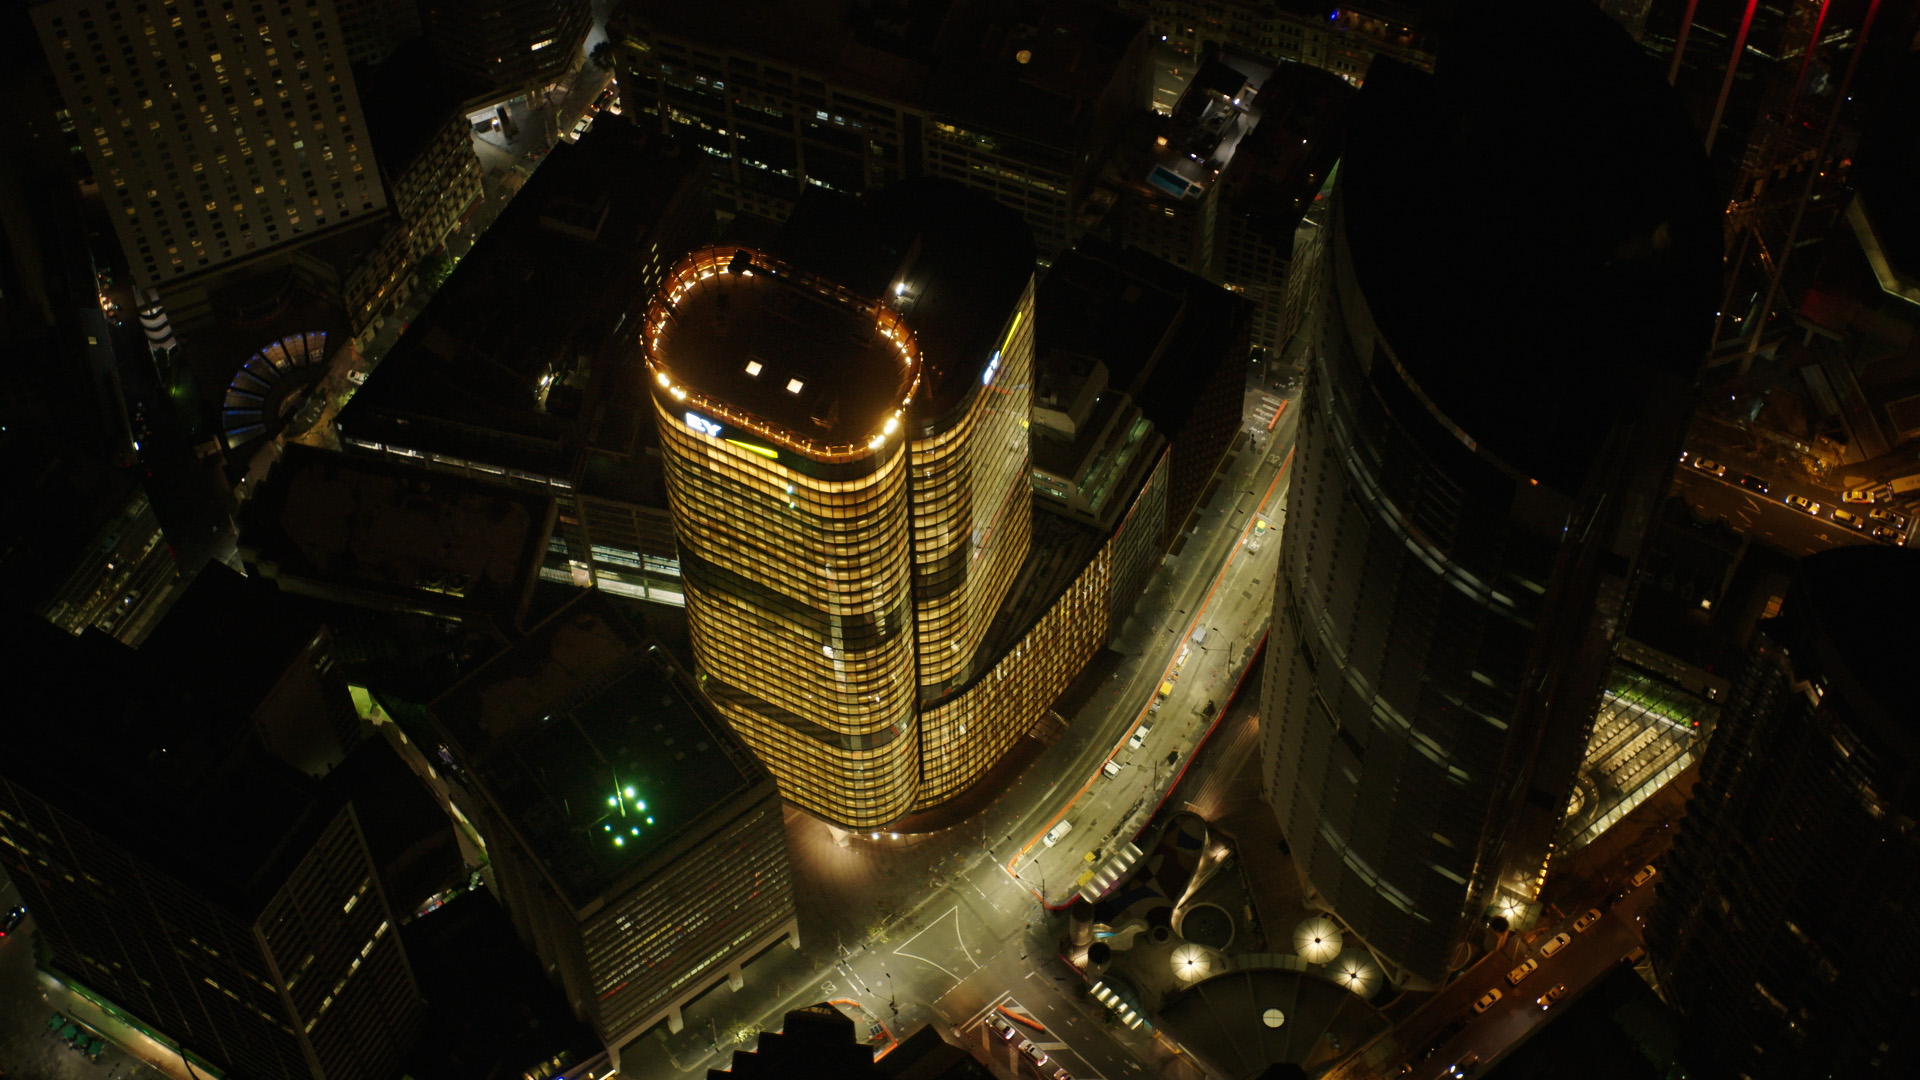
x=782 y=347
x=151 y=763
x=1530 y=319
x=395 y=531
x=595 y=745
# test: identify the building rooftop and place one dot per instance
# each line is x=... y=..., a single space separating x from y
x=1864 y=659
x=1223 y=1022
x=1220 y=107
x=396 y=535
x=176 y=779
x=233 y=637
x=1527 y=319
x=595 y=746
x=788 y=349
x=1157 y=328
x=407 y=100
x=502 y=359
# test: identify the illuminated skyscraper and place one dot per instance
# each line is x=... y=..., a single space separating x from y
x=843 y=421
x=1493 y=410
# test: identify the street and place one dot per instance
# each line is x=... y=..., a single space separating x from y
x=936 y=928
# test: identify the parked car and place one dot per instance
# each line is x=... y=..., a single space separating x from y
x=1709 y=466
x=1580 y=924
x=1560 y=941
x=1033 y=1053
x=1803 y=504
x=1002 y=1027
x=1643 y=875
x=1486 y=1000
x=1848 y=518
x=1110 y=769
x=1526 y=968
x=1753 y=483
x=1546 y=1000
x=1861 y=495
x=1887 y=515
x=1888 y=533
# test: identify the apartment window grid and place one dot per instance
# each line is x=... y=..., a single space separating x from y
x=653 y=946
x=166 y=151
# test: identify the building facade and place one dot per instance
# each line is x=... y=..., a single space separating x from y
x=216 y=135
x=1342 y=38
x=1781 y=911
x=1464 y=513
x=636 y=844
x=200 y=884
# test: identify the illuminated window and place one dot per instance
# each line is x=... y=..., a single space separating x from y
x=794 y=386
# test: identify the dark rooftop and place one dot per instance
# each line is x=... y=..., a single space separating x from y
x=232 y=636
x=173 y=777
x=963 y=258
x=595 y=745
x=493 y=370
x=396 y=534
x=407 y=100
x=1525 y=317
x=1220 y=1020
x=1864 y=658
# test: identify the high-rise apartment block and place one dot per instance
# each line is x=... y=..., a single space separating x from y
x=1492 y=412
x=507 y=44
x=844 y=432
x=181 y=871
x=216 y=132
x=1015 y=100
x=1784 y=925
x=636 y=844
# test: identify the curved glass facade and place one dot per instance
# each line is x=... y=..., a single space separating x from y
x=1403 y=632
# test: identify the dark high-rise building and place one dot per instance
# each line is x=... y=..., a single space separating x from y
x=1015 y=99
x=507 y=44
x=637 y=845
x=1492 y=409
x=180 y=870
x=844 y=426
x=1785 y=920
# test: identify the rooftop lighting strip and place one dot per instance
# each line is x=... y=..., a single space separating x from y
x=709 y=262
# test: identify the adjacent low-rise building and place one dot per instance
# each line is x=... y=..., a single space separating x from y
x=637 y=845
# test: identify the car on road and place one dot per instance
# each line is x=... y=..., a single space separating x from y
x=1802 y=504
x=1888 y=533
x=1753 y=483
x=1140 y=735
x=1643 y=875
x=1002 y=1027
x=1058 y=832
x=1861 y=495
x=1560 y=941
x=1887 y=515
x=1580 y=924
x=1110 y=769
x=1848 y=518
x=1709 y=466
x=1546 y=1000
x=1033 y=1053
x=1486 y=1000
x=1062 y=1074
x=1526 y=968
x=1465 y=1067
x=12 y=919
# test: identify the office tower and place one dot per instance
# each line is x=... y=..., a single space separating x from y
x=215 y=133
x=1783 y=928
x=1493 y=406
x=636 y=844
x=180 y=871
x=515 y=45
x=373 y=29
x=1019 y=101
x=1342 y=38
x=843 y=426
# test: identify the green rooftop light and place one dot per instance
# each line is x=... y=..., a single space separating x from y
x=619 y=842
x=609 y=828
x=649 y=821
x=629 y=793
x=641 y=805
x=635 y=830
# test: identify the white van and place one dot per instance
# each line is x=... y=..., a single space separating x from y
x=1055 y=834
x=1140 y=735
x=1111 y=768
